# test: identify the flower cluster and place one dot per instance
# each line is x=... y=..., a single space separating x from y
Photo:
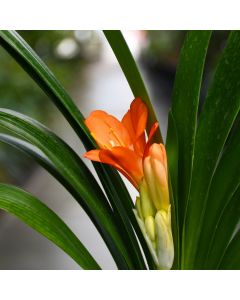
x=122 y=144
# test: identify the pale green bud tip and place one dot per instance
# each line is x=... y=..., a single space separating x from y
x=150 y=227
x=138 y=207
x=164 y=240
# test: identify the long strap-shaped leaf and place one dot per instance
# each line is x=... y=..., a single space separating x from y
x=185 y=101
x=225 y=181
x=219 y=112
x=231 y=258
x=41 y=218
x=37 y=155
x=225 y=228
x=82 y=184
x=172 y=155
x=132 y=74
x=111 y=181
x=36 y=68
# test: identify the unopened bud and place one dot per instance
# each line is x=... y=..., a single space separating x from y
x=147 y=206
x=155 y=174
x=150 y=227
x=164 y=240
x=138 y=207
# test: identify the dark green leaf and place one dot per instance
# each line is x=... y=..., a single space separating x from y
x=172 y=155
x=219 y=112
x=130 y=69
x=38 y=216
x=225 y=228
x=80 y=181
x=185 y=101
x=231 y=259
x=110 y=179
x=225 y=181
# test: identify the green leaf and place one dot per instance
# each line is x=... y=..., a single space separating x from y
x=185 y=102
x=110 y=179
x=225 y=229
x=36 y=68
x=231 y=259
x=41 y=218
x=37 y=155
x=131 y=72
x=172 y=156
x=226 y=179
x=79 y=180
x=217 y=117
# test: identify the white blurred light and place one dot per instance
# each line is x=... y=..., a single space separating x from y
x=67 y=48
x=83 y=35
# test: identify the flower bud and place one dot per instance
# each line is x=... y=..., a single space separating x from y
x=153 y=207
x=147 y=206
x=164 y=240
x=155 y=174
x=138 y=207
x=150 y=227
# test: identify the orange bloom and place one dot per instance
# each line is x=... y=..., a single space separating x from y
x=122 y=143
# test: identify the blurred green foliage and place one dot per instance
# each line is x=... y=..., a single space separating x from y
x=163 y=47
x=19 y=92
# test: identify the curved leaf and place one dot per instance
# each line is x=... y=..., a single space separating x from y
x=131 y=72
x=231 y=258
x=225 y=229
x=185 y=101
x=37 y=155
x=35 y=67
x=225 y=181
x=172 y=156
x=80 y=181
x=112 y=183
x=41 y=218
x=220 y=109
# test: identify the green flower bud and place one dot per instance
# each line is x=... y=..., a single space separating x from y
x=164 y=240
x=150 y=227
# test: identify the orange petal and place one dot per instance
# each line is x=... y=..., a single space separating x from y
x=139 y=114
x=126 y=161
x=158 y=152
x=107 y=130
x=135 y=121
x=150 y=136
x=127 y=122
x=92 y=155
x=107 y=158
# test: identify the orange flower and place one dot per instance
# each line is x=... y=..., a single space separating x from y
x=122 y=143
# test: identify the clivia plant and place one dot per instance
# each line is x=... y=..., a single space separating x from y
x=187 y=213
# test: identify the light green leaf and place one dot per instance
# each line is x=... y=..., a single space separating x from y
x=41 y=218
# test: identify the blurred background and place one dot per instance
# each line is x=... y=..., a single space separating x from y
x=84 y=63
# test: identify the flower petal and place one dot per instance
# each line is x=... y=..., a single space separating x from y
x=107 y=130
x=135 y=121
x=150 y=136
x=126 y=161
x=92 y=155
